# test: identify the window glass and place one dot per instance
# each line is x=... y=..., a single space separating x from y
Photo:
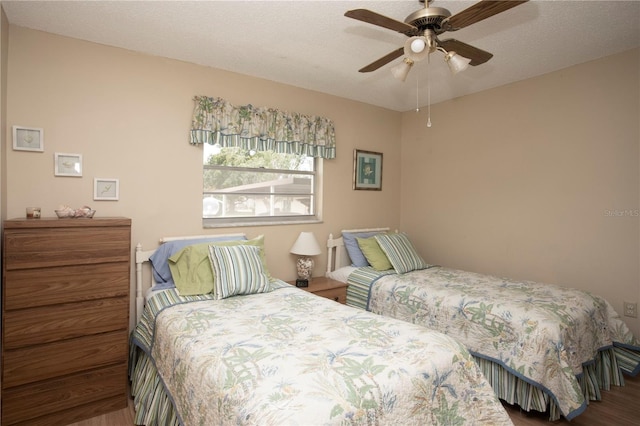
x=242 y=186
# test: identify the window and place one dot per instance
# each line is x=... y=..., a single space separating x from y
x=257 y=187
x=260 y=165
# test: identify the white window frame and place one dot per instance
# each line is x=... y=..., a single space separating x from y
x=316 y=197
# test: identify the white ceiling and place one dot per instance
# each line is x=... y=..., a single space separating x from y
x=311 y=44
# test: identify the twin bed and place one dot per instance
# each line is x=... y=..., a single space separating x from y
x=251 y=349
x=542 y=347
x=439 y=346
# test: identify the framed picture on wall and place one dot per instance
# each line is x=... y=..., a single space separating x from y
x=367 y=170
x=28 y=139
x=67 y=164
x=106 y=189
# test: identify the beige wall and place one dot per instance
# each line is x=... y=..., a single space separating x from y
x=129 y=114
x=4 y=53
x=513 y=181
x=527 y=180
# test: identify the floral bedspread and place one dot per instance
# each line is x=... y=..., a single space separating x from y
x=541 y=333
x=289 y=357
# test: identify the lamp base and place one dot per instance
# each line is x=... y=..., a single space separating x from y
x=304 y=267
x=302 y=283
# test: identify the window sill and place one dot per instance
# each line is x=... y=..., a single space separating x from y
x=211 y=224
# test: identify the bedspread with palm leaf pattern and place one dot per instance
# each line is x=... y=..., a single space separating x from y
x=542 y=333
x=289 y=357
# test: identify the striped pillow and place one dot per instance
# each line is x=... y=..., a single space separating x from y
x=400 y=252
x=237 y=270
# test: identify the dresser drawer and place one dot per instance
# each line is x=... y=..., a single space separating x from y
x=25 y=403
x=337 y=294
x=35 y=248
x=26 y=288
x=78 y=413
x=31 y=364
x=58 y=322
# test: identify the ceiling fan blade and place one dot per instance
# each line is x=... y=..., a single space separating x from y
x=477 y=56
x=482 y=10
x=380 y=20
x=383 y=61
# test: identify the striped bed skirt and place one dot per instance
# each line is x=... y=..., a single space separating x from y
x=152 y=403
x=606 y=370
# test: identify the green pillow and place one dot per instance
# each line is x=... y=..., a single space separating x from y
x=191 y=268
x=374 y=254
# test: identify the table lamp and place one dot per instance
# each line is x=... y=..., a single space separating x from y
x=305 y=247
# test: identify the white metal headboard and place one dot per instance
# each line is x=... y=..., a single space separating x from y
x=143 y=256
x=337 y=255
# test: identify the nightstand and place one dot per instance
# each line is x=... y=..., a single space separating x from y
x=326 y=287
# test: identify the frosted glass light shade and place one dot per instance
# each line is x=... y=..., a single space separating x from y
x=401 y=70
x=418 y=45
x=415 y=48
x=456 y=62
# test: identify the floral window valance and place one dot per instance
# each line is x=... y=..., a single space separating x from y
x=216 y=121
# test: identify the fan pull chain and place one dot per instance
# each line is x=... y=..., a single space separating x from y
x=428 y=91
x=417 y=94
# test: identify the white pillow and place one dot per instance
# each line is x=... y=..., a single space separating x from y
x=341 y=274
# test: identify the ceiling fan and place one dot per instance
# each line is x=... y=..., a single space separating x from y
x=423 y=28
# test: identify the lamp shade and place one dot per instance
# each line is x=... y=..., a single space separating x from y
x=306 y=245
x=401 y=70
x=456 y=62
x=416 y=48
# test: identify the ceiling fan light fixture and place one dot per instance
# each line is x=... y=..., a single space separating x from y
x=418 y=45
x=415 y=48
x=427 y=24
x=401 y=70
x=456 y=62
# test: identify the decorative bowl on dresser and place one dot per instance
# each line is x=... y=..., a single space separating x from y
x=65 y=319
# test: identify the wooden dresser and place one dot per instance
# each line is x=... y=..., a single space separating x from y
x=65 y=319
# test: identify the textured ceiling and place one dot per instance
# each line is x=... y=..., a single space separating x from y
x=311 y=44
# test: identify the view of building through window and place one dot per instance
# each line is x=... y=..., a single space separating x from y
x=247 y=185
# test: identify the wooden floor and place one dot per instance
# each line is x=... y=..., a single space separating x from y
x=620 y=406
